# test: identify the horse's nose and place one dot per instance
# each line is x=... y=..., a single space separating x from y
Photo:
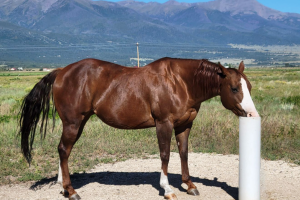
x=252 y=114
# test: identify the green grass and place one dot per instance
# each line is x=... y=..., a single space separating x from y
x=275 y=94
x=22 y=73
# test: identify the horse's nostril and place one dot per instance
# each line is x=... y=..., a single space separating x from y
x=252 y=114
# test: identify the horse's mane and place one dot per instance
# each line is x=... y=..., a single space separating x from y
x=206 y=77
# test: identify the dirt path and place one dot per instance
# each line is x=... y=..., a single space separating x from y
x=216 y=177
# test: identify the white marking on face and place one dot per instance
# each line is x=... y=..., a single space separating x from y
x=59 y=176
x=247 y=103
x=164 y=183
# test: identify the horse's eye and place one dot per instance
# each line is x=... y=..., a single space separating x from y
x=234 y=90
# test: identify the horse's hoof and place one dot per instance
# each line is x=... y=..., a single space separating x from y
x=193 y=192
x=65 y=193
x=74 y=197
x=171 y=196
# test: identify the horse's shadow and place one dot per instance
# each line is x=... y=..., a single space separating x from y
x=136 y=178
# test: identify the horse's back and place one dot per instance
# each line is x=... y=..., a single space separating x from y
x=123 y=97
x=113 y=92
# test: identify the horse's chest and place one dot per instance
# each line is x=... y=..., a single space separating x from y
x=187 y=117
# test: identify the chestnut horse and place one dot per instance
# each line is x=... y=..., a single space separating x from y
x=165 y=94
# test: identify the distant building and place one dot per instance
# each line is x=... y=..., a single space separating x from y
x=4 y=67
x=143 y=61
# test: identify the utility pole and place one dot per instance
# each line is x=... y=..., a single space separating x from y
x=138 y=57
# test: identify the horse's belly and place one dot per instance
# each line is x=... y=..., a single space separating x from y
x=128 y=123
x=126 y=118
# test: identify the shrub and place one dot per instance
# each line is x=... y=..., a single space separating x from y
x=291 y=100
x=4 y=118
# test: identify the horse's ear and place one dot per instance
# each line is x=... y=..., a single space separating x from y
x=241 y=67
x=222 y=70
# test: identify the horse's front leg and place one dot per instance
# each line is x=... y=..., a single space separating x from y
x=164 y=134
x=182 y=135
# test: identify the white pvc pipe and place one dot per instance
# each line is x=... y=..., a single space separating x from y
x=249 y=157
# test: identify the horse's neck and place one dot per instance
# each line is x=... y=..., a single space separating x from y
x=206 y=82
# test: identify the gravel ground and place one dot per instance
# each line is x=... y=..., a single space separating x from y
x=216 y=177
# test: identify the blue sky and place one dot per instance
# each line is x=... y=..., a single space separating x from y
x=281 y=5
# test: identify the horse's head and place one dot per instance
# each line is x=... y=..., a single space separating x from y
x=235 y=92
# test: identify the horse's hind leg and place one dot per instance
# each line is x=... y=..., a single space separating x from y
x=182 y=135
x=71 y=133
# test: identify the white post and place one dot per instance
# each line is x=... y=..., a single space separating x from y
x=249 y=150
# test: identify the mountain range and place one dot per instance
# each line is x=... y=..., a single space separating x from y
x=218 y=22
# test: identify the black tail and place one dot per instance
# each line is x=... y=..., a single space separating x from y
x=35 y=103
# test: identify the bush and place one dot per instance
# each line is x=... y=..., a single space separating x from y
x=291 y=100
x=4 y=118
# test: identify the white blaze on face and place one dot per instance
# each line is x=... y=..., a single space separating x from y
x=164 y=183
x=247 y=103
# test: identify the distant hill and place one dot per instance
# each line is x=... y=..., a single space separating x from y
x=223 y=21
x=219 y=22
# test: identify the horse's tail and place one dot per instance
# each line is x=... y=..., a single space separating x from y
x=35 y=103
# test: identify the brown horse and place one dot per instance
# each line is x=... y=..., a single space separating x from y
x=166 y=94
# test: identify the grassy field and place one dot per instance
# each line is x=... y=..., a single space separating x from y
x=276 y=94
